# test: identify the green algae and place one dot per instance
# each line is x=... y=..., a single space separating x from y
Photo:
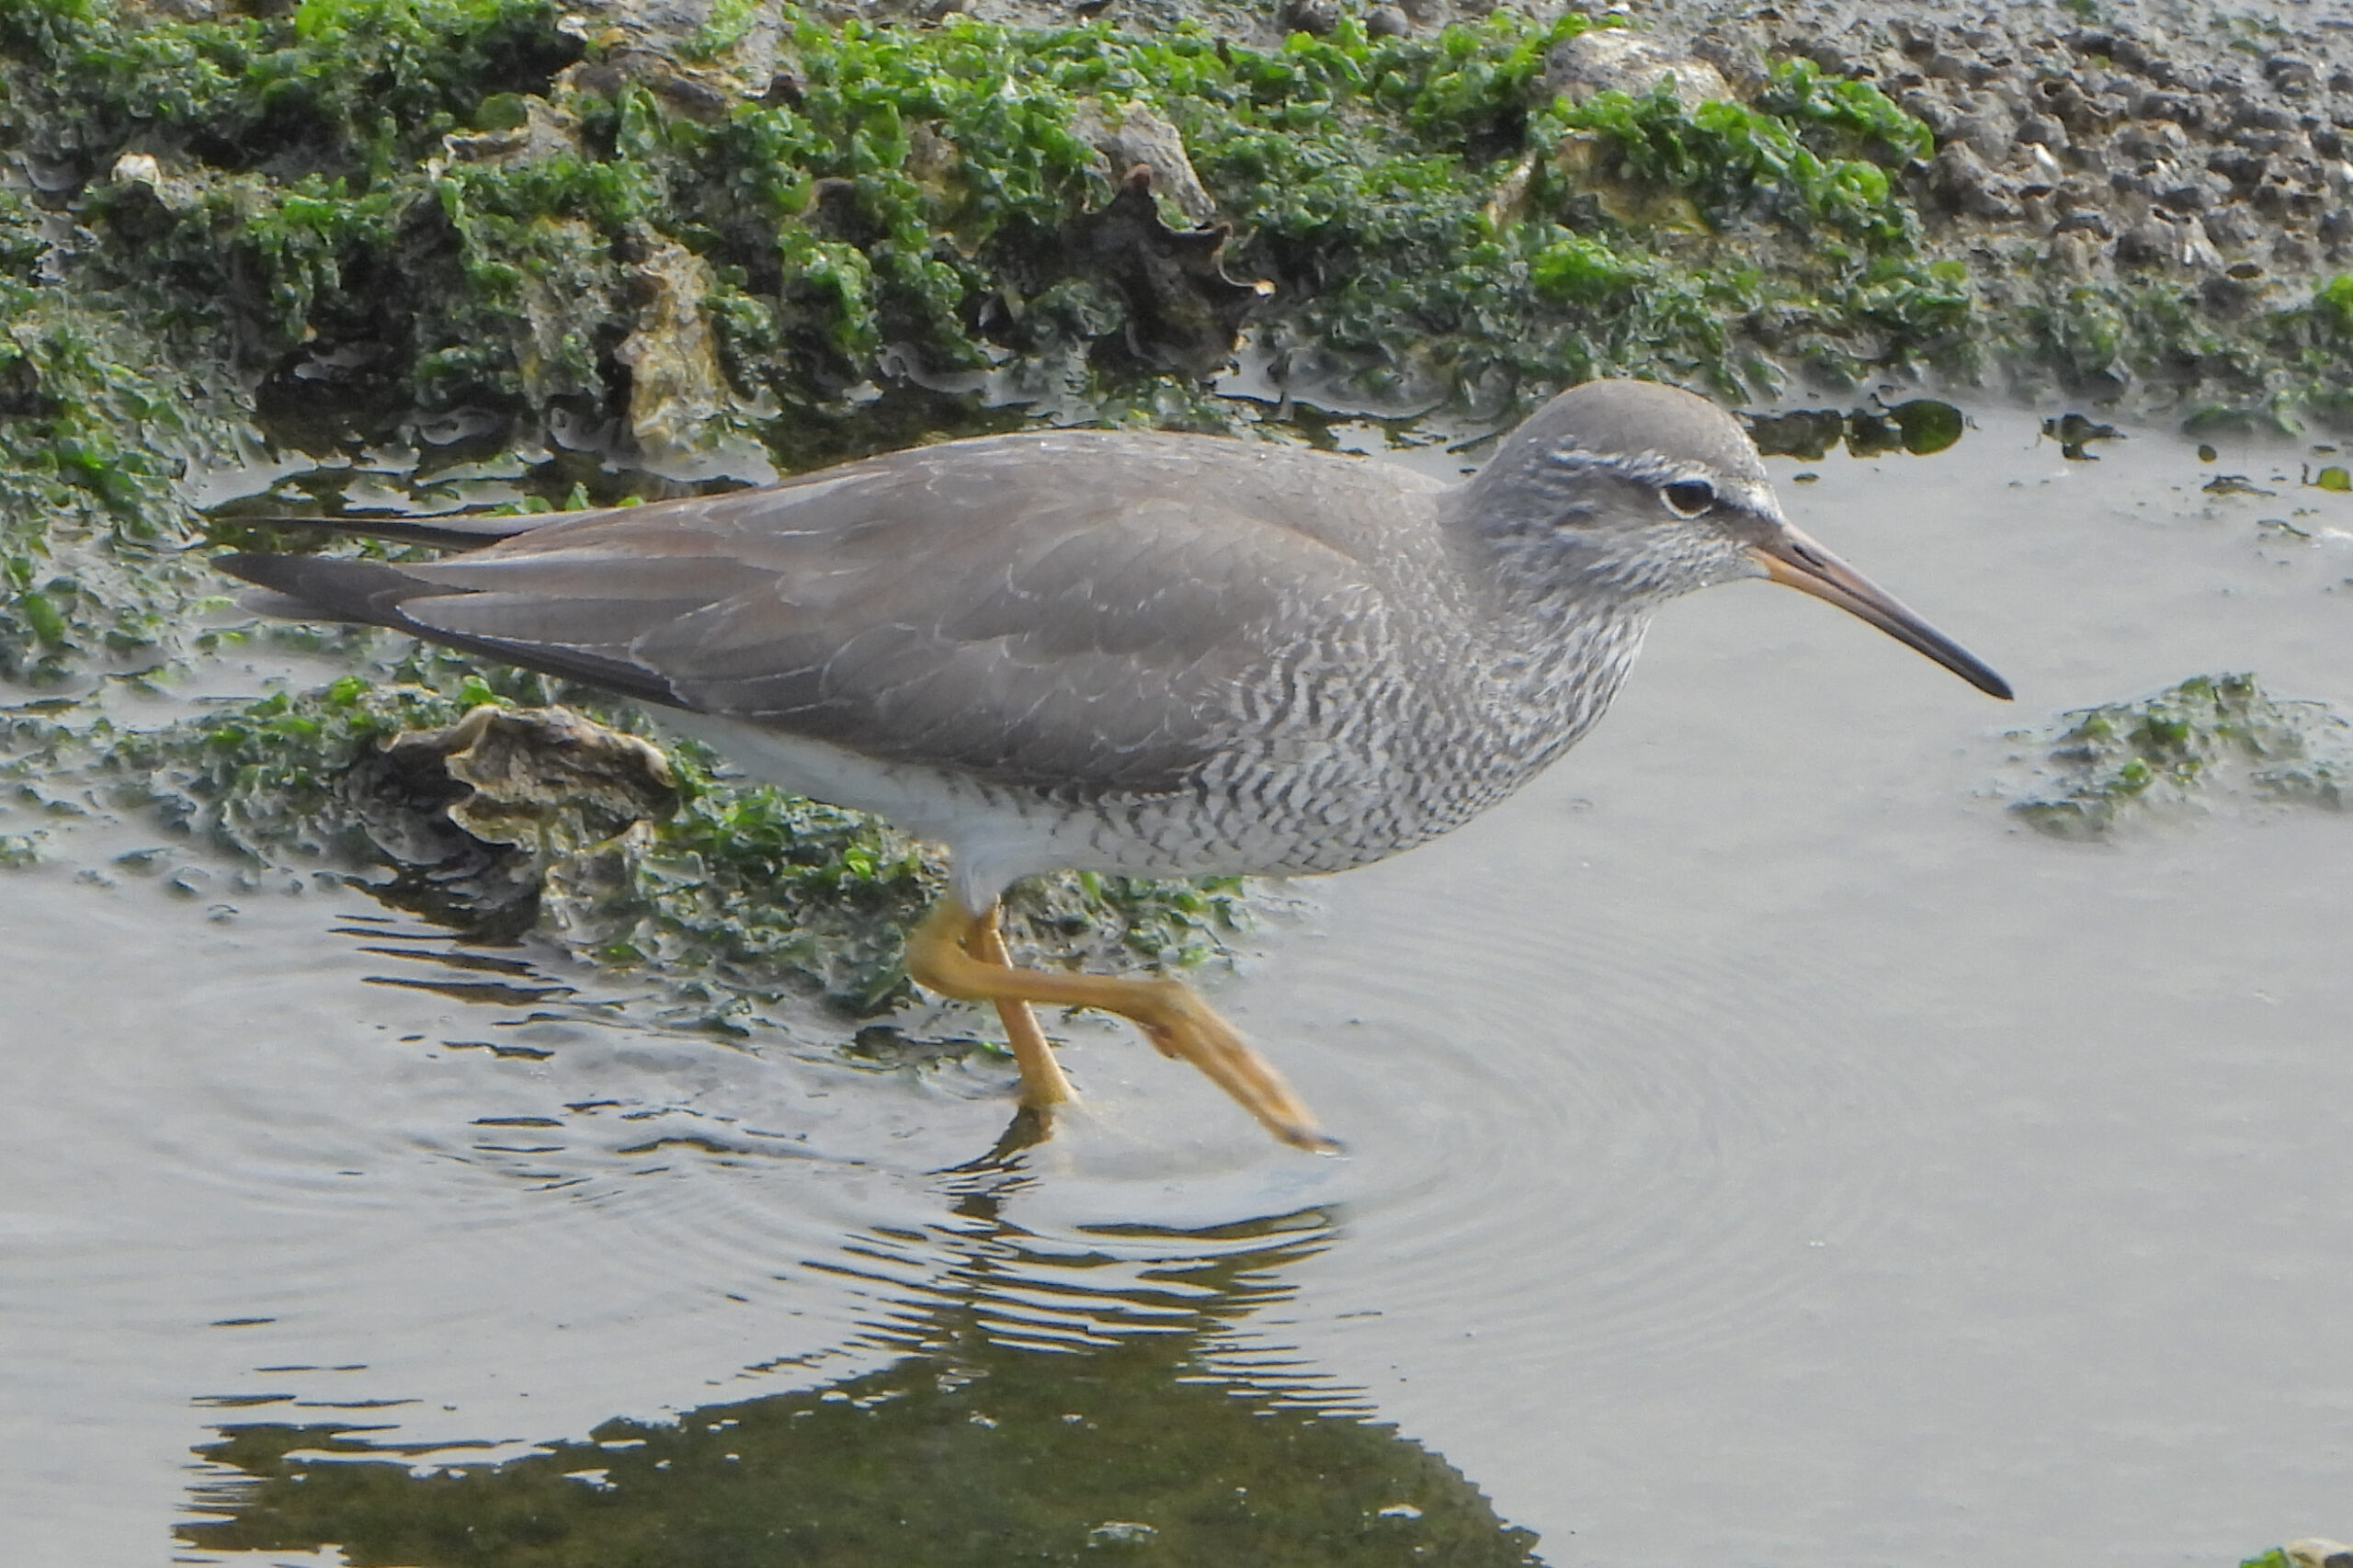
x=88 y=451
x=1622 y=240
x=468 y=192
x=2334 y=302
x=2277 y=368
x=2100 y=768
x=1816 y=151
x=459 y=205
x=739 y=894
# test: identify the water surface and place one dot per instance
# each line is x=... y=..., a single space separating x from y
x=1762 y=1149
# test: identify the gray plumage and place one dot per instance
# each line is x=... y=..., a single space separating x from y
x=1153 y=652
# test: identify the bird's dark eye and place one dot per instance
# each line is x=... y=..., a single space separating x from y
x=1688 y=497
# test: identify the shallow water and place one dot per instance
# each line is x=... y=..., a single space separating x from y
x=1761 y=1148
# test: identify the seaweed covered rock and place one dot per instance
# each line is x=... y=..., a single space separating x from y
x=481 y=814
x=2101 y=767
x=2147 y=203
x=510 y=820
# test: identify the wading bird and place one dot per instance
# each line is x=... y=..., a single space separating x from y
x=1162 y=655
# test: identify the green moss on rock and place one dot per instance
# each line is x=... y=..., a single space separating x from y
x=739 y=894
x=2101 y=767
x=455 y=203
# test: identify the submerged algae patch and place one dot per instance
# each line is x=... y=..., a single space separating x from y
x=2099 y=767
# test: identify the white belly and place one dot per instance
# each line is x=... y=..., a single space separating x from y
x=994 y=836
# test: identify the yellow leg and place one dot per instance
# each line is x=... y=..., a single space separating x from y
x=1042 y=1084
x=1172 y=1015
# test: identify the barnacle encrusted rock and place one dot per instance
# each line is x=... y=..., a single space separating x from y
x=478 y=815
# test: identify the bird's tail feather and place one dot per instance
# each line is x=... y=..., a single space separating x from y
x=332 y=588
x=452 y=532
x=340 y=587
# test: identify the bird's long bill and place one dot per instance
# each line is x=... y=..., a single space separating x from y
x=1790 y=557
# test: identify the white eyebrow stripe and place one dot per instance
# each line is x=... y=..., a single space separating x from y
x=1643 y=468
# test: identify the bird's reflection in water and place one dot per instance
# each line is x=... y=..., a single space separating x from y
x=1051 y=1400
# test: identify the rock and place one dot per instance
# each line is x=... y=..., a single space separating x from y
x=2149 y=243
x=1387 y=21
x=1962 y=183
x=2084 y=220
x=2196 y=252
x=2118 y=45
x=675 y=385
x=2076 y=254
x=1916 y=39
x=2199 y=746
x=1509 y=204
x=1834 y=59
x=2043 y=131
x=1744 y=68
x=2152 y=139
x=2240 y=166
x=2040 y=169
x=665 y=46
x=1610 y=59
x=2261 y=116
x=2178 y=107
x=478 y=814
x=2188 y=197
x=173 y=189
x=569 y=292
x=2232 y=225
x=2318 y=1551
x=520 y=765
x=2295 y=147
x=1183 y=311
x=1128 y=134
x=1315 y=17
x=1946 y=66
x=2292 y=74
x=1931 y=110
x=2234 y=289
x=1989 y=135
x=545 y=131
x=2066 y=102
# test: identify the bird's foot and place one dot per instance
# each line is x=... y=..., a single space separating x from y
x=960 y=954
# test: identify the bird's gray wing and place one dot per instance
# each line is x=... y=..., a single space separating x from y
x=1099 y=623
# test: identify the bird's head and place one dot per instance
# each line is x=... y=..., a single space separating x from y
x=1632 y=492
